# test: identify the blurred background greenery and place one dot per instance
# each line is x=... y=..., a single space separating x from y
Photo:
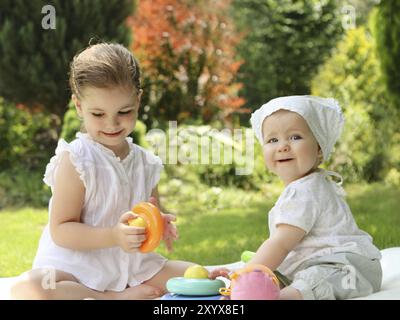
x=206 y=64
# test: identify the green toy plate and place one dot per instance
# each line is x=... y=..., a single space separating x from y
x=194 y=287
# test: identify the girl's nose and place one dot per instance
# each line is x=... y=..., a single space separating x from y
x=113 y=121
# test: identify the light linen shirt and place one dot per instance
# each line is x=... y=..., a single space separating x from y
x=112 y=187
x=316 y=204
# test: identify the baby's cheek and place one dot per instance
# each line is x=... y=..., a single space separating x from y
x=268 y=164
x=267 y=157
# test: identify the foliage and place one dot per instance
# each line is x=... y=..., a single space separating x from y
x=24 y=137
x=206 y=155
x=360 y=8
x=34 y=62
x=71 y=123
x=187 y=53
x=20 y=186
x=352 y=75
x=387 y=33
x=139 y=133
x=285 y=42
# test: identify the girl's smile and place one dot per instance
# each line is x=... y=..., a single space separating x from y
x=113 y=134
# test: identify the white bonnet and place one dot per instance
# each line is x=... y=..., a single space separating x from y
x=323 y=116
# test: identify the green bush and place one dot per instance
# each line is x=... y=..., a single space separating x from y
x=139 y=133
x=386 y=24
x=215 y=158
x=71 y=123
x=21 y=187
x=352 y=75
x=284 y=43
x=34 y=61
x=27 y=141
x=26 y=138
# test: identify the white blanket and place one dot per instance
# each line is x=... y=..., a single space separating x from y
x=390 y=282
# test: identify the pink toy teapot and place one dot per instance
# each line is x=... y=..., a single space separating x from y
x=253 y=282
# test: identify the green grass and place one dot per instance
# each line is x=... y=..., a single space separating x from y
x=20 y=230
x=215 y=226
x=376 y=210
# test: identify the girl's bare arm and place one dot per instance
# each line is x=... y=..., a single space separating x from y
x=66 y=227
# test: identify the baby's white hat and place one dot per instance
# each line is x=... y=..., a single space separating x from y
x=323 y=116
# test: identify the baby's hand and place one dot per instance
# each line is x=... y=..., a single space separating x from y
x=127 y=237
x=220 y=272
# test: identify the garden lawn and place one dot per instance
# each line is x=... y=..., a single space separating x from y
x=20 y=230
x=215 y=225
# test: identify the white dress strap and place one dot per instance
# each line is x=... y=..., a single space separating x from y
x=337 y=184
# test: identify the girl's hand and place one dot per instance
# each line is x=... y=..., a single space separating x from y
x=127 y=237
x=170 y=233
x=219 y=272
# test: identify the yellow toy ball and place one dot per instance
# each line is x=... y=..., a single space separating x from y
x=137 y=222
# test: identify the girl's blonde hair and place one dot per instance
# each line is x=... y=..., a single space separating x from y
x=104 y=65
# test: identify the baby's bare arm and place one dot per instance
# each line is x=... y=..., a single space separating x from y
x=66 y=227
x=275 y=249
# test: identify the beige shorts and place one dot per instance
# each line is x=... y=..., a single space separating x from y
x=339 y=276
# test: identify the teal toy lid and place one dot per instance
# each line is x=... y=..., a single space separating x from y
x=194 y=287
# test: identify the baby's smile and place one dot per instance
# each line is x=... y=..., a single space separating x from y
x=284 y=160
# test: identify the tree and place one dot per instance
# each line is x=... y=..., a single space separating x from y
x=285 y=42
x=187 y=53
x=387 y=33
x=34 y=59
x=352 y=75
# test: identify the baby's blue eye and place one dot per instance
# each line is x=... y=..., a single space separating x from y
x=97 y=114
x=295 y=137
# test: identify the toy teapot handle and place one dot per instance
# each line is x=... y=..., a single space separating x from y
x=225 y=291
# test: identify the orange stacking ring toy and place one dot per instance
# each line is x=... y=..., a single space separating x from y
x=155 y=225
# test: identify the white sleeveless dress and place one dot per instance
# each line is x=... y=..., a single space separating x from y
x=112 y=187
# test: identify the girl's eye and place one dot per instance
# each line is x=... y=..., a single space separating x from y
x=272 y=140
x=125 y=112
x=295 y=137
x=120 y=112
